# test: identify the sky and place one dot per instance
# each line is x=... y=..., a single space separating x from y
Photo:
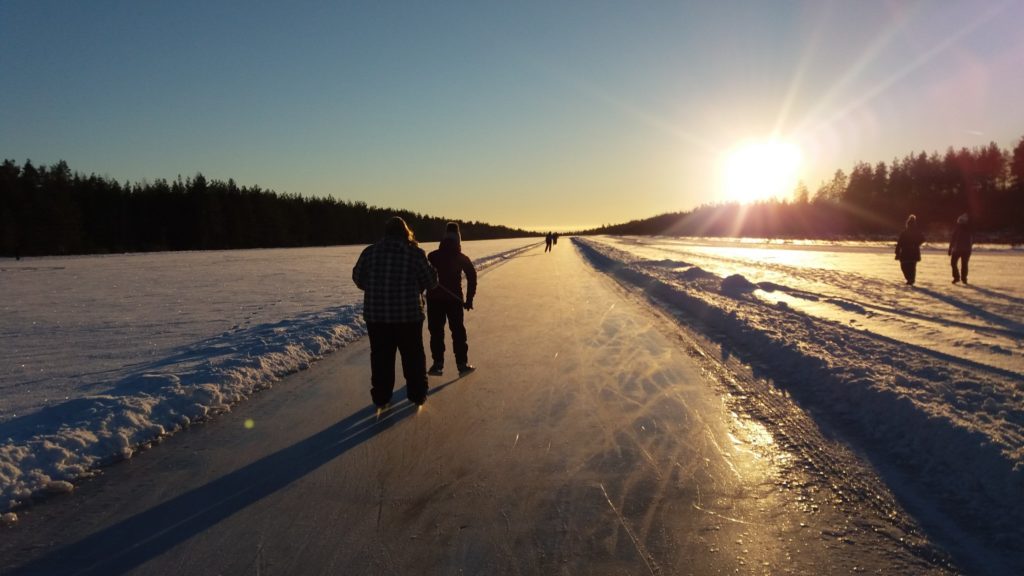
x=534 y=114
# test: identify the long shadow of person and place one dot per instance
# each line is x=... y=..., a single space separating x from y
x=131 y=542
x=995 y=294
x=977 y=311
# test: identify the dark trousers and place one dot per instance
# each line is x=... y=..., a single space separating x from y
x=438 y=312
x=960 y=274
x=385 y=340
x=909 y=271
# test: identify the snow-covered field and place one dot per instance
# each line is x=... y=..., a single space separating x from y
x=928 y=380
x=101 y=355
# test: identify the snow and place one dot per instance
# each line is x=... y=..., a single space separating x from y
x=625 y=457
x=930 y=377
x=104 y=355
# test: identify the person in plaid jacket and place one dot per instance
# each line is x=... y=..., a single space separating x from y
x=393 y=273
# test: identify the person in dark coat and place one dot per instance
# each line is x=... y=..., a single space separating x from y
x=547 y=242
x=393 y=274
x=908 y=249
x=446 y=304
x=960 y=246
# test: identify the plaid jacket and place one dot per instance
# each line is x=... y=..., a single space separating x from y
x=393 y=275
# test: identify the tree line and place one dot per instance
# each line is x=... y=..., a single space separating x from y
x=47 y=210
x=872 y=201
x=52 y=210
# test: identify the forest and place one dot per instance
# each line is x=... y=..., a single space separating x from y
x=873 y=201
x=48 y=210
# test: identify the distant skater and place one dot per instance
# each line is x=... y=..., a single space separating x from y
x=547 y=242
x=960 y=246
x=554 y=239
x=393 y=274
x=445 y=302
x=908 y=249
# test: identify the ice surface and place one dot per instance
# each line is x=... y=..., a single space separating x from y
x=103 y=354
x=932 y=376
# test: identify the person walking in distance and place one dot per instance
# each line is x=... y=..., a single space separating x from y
x=960 y=246
x=446 y=304
x=908 y=249
x=393 y=273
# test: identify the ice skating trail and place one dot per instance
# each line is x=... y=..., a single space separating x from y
x=595 y=437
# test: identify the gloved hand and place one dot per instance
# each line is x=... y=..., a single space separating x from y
x=468 y=304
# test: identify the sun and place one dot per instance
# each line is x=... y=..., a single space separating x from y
x=760 y=170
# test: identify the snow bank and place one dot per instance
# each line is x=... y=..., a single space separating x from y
x=41 y=453
x=954 y=424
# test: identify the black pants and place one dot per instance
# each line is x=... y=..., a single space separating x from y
x=909 y=271
x=438 y=312
x=385 y=340
x=960 y=274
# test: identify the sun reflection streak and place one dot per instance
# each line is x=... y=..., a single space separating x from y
x=796 y=83
x=739 y=220
x=869 y=55
x=910 y=67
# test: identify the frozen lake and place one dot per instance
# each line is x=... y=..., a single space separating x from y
x=860 y=284
x=927 y=380
x=73 y=326
x=103 y=354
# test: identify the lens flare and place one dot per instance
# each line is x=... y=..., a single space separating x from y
x=760 y=170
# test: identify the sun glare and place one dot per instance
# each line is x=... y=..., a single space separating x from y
x=760 y=170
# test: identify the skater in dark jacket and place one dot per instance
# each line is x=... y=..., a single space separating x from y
x=393 y=274
x=960 y=248
x=908 y=249
x=446 y=304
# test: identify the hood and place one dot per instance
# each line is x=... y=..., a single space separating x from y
x=450 y=242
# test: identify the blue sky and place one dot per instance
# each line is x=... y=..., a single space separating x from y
x=533 y=114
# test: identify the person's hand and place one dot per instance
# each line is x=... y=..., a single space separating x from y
x=468 y=304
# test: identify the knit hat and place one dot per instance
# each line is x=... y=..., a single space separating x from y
x=451 y=230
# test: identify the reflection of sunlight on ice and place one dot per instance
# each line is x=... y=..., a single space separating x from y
x=754 y=432
x=782 y=257
x=776 y=297
x=858 y=285
x=753 y=437
x=764 y=263
x=817 y=308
